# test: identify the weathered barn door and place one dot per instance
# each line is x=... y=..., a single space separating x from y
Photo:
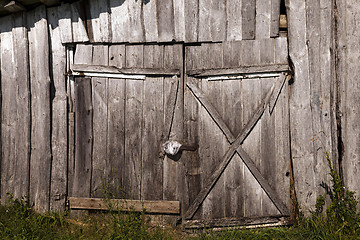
x=126 y=104
x=236 y=110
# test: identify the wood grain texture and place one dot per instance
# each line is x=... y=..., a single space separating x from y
x=164 y=207
x=150 y=20
x=275 y=18
x=15 y=108
x=191 y=20
x=78 y=24
x=234 y=22
x=165 y=20
x=263 y=19
x=248 y=19
x=179 y=19
x=100 y=21
x=136 y=25
x=300 y=108
x=65 y=23
x=101 y=167
x=120 y=21
x=59 y=145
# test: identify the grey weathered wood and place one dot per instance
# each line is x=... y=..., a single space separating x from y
x=150 y=15
x=120 y=21
x=59 y=116
x=263 y=19
x=165 y=207
x=300 y=108
x=100 y=21
x=15 y=108
x=65 y=23
x=136 y=25
x=78 y=24
x=165 y=20
x=83 y=54
x=234 y=22
x=232 y=57
x=204 y=21
x=132 y=71
x=267 y=51
x=83 y=138
x=14 y=7
x=117 y=56
x=152 y=118
x=101 y=166
x=281 y=50
x=275 y=18
x=239 y=70
x=236 y=222
x=248 y=19
x=191 y=20
x=250 y=53
x=277 y=89
x=40 y=161
x=179 y=19
x=218 y=20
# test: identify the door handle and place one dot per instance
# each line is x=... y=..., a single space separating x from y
x=174 y=147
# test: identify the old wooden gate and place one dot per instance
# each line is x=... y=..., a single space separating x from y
x=228 y=99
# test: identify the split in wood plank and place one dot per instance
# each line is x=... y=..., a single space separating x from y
x=165 y=207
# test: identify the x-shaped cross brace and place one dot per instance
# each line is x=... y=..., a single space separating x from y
x=268 y=101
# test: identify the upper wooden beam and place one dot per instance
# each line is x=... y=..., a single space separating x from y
x=14 y=6
x=165 y=207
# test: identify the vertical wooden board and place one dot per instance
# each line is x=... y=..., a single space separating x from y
x=248 y=19
x=150 y=20
x=116 y=136
x=152 y=134
x=281 y=50
x=179 y=20
x=234 y=20
x=204 y=21
x=231 y=110
x=133 y=138
x=9 y=113
x=268 y=153
x=250 y=53
x=251 y=97
x=40 y=161
x=267 y=51
x=300 y=109
x=216 y=51
x=191 y=20
x=120 y=21
x=218 y=20
x=83 y=54
x=59 y=116
x=153 y=127
x=275 y=18
x=101 y=167
x=282 y=146
x=100 y=21
x=136 y=21
x=78 y=24
x=83 y=138
x=165 y=17
x=64 y=11
x=117 y=56
x=191 y=159
x=232 y=54
x=263 y=19
x=191 y=57
x=134 y=56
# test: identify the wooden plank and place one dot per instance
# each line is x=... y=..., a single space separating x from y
x=281 y=50
x=153 y=118
x=302 y=148
x=275 y=18
x=83 y=54
x=65 y=23
x=117 y=56
x=136 y=26
x=234 y=22
x=236 y=222
x=248 y=19
x=101 y=167
x=83 y=138
x=239 y=70
x=218 y=20
x=191 y=20
x=165 y=20
x=150 y=15
x=40 y=161
x=204 y=21
x=263 y=19
x=179 y=20
x=120 y=21
x=78 y=25
x=100 y=21
x=59 y=145
x=133 y=71
x=267 y=51
x=15 y=108
x=134 y=56
x=232 y=57
x=164 y=207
